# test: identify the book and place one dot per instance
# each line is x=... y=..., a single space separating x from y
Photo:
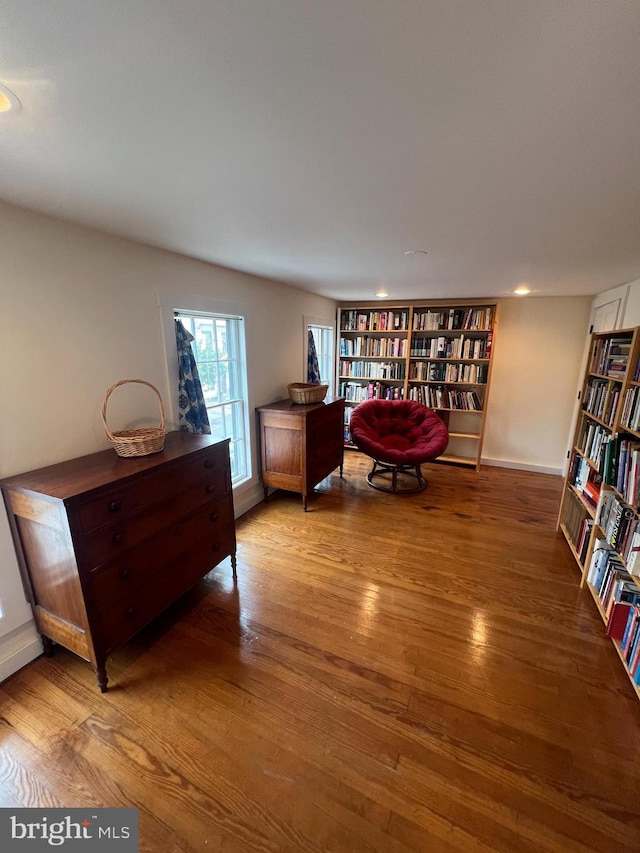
x=618 y=618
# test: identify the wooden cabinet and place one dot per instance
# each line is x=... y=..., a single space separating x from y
x=437 y=353
x=300 y=444
x=106 y=543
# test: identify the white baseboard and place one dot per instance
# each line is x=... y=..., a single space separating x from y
x=247 y=500
x=18 y=648
x=522 y=466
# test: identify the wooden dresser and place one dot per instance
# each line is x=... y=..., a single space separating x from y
x=300 y=444
x=107 y=543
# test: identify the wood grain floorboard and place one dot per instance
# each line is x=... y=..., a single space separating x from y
x=389 y=674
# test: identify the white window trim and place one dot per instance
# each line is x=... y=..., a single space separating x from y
x=168 y=303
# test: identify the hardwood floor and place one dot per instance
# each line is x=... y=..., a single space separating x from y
x=391 y=673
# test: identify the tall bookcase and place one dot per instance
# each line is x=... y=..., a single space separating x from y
x=599 y=511
x=439 y=353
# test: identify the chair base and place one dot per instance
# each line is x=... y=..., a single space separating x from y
x=380 y=469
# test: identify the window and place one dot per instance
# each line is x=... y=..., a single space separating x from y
x=323 y=339
x=220 y=355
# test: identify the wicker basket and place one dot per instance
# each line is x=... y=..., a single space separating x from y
x=135 y=442
x=307 y=392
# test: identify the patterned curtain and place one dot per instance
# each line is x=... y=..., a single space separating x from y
x=313 y=368
x=193 y=412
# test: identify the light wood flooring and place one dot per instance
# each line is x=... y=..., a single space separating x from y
x=390 y=674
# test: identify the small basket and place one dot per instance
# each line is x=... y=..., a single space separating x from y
x=135 y=442
x=307 y=392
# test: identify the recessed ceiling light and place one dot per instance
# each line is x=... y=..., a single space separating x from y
x=8 y=100
x=416 y=252
x=381 y=294
x=523 y=290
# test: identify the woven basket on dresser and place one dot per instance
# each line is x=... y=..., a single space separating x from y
x=307 y=392
x=135 y=442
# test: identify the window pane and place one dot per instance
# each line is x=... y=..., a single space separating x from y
x=323 y=339
x=219 y=353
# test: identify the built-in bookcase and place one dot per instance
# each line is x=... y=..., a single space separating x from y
x=435 y=352
x=600 y=508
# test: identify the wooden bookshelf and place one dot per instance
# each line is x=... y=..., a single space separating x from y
x=604 y=465
x=442 y=355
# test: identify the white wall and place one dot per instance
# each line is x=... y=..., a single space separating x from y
x=79 y=310
x=536 y=374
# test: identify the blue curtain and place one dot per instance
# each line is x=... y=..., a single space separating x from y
x=192 y=410
x=313 y=368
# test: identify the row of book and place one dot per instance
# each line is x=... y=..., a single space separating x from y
x=577 y=525
x=631 y=410
x=616 y=458
x=439 y=397
x=365 y=346
x=620 y=599
x=373 y=369
x=624 y=469
x=586 y=480
x=610 y=356
x=446 y=347
x=374 y=321
x=593 y=441
x=356 y=392
x=598 y=401
x=621 y=528
x=453 y=318
x=429 y=371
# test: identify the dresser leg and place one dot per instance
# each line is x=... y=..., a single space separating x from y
x=266 y=492
x=234 y=564
x=304 y=502
x=102 y=678
x=47 y=646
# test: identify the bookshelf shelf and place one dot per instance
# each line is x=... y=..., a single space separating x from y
x=446 y=349
x=572 y=547
x=604 y=464
x=457 y=460
x=598 y=603
x=589 y=461
x=595 y=418
x=470 y=435
x=588 y=508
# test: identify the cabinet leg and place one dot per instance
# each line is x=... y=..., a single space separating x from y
x=101 y=677
x=266 y=493
x=234 y=565
x=47 y=646
x=341 y=470
x=304 y=502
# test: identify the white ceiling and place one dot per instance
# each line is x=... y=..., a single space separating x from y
x=315 y=141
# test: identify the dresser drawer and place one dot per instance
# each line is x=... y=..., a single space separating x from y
x=108 y=542
x=138 y=572
x=112 y=505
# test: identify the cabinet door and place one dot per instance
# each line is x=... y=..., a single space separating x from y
x=324 y=443
x=282 y=450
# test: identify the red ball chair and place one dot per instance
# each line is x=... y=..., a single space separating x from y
x=399 y=435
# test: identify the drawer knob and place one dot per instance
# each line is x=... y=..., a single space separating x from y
x=115 y=506
x=129 y=612
x=210 y=488
x=117 y=538
x=214 y=516
x=215 y=546
x=209 y=463
x=125 y=574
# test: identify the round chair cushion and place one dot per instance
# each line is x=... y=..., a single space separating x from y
x=398 y=432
